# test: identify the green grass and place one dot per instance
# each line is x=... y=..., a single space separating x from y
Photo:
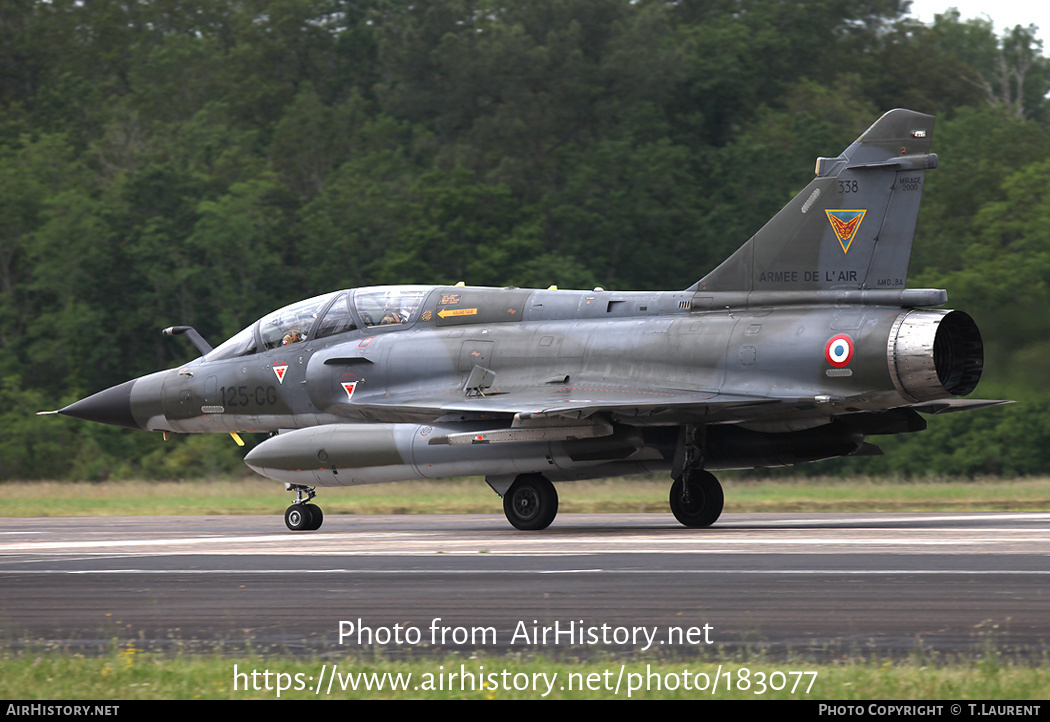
x=473 y=496
x=130 y=674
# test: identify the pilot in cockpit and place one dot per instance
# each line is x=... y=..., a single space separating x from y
x=390 y=316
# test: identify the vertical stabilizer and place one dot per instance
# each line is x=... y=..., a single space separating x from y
x=851 y=228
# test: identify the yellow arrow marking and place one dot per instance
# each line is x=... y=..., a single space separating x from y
x=458 y=312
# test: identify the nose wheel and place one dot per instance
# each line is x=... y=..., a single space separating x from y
x=303 y=516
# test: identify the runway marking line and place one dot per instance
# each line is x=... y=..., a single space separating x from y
x=709 y=538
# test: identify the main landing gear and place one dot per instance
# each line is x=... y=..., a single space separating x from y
x=302 y=516
x=696 y=498
x=531 y=502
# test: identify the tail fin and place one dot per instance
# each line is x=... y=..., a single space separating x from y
x=851 y=228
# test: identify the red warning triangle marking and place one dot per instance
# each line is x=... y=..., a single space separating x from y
x=349 y=388
x=279 y=371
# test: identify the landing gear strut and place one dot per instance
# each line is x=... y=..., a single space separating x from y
x=531 y=502
x=302 y=516
x=696 y=498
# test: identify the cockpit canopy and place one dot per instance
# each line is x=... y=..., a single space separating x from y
x=291 y=324
x=324 y=316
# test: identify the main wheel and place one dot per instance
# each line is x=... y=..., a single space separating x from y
x=316 y=516
x=297 y=517
x=531 y=503
x=696 y=499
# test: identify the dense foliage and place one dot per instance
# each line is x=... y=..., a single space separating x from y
x=204 y=162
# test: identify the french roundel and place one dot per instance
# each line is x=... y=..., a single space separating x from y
x=839 y=350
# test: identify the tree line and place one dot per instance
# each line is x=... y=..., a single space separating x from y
x=197 y=162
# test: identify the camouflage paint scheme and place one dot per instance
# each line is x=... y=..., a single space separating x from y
x=799 y=346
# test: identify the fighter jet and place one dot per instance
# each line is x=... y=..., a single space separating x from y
x=798 y=347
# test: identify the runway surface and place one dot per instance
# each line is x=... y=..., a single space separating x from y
x=824 y=585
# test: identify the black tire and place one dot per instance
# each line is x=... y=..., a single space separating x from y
x=531 y=503
x=705 y=502
x=316 y=516
x=297 y=517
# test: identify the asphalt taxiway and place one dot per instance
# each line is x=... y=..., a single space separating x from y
x=817 y=584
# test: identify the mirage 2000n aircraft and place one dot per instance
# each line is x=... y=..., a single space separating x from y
x=798 y=347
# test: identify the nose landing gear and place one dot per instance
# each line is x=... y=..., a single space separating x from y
x=303 y=516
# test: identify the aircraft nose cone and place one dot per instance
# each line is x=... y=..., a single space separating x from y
x=112 y=406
